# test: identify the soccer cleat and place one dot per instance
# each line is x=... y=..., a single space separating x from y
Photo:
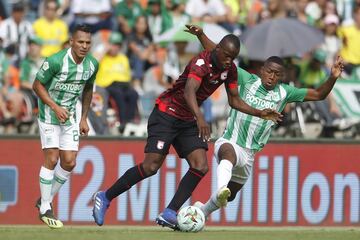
x=168 y=218
x=49 y=219
x=222 y=197
x=101 y=204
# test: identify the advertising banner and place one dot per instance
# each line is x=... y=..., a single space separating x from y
x=293 y=184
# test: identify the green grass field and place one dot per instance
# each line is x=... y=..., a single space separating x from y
x=157 y=233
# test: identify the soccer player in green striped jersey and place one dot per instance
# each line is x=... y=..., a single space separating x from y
x=62 y=80
x=246 y=135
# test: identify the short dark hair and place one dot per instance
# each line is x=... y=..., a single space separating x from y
x=275 y=59
x=47 y=2
x=81 y=28
x=233 y=39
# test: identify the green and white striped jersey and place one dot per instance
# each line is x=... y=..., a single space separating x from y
x=64 y=80
x=253 y=132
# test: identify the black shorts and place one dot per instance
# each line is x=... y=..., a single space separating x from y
x=165 y=130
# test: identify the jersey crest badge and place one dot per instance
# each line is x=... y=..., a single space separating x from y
x=86 y=75
x=160 y=144
x=45 y=66
x=223 y=75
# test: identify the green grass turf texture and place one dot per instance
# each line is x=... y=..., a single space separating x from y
x=22 y=232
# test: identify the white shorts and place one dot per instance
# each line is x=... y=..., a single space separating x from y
x=244 y=160
x=59 y=136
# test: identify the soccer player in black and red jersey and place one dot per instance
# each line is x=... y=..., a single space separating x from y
x=177 y=120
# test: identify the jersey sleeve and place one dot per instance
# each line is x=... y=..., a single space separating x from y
x=96 y=68
x=198 y=69
x=243 y=76
x=294 y=94
x=48 y=70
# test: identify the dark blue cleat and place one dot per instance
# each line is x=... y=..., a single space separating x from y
x=101 y=204
x=168 y=218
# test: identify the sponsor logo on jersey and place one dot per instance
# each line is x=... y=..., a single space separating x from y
x=160 y=144
x=259 y=103
x=68 y=87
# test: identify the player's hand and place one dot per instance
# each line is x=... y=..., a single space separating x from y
x=271 y=114
x=204 y=129
x=62 y=114
x=84 y=127
x=194 y=30
x=337 y=67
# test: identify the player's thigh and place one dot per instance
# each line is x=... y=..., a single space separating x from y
x=69 y=137
x=188 y=140
x=242 y=170
x=197 y=159
x=225 y=150
x=161 y=132
x=49 y=135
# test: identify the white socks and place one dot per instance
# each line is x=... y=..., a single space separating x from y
x=60 y=177
x=50 y=183
x=46 y=177
x=224 y=173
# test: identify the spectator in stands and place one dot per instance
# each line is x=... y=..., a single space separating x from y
x=16 y=30
x=95 y=13
x=332 y=43
x=300 y=13
x=158 y=17
x=10 y=96
x=237 y=13
x=141 y=51
x=115 y=77
x=276 y=9
x=350 y=36
x=210 y=11
x=316 y=9
x=127 y=12
x=51 y=29
x=345 y=10
x=312 y=75
x=30 y=66
x=178 y=15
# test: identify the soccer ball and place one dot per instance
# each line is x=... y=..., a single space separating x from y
x=191 y=219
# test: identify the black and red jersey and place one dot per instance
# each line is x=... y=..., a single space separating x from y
x=202 y=69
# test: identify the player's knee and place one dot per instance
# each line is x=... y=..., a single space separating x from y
x=69 y=165
x=52 y=161
x=204 y=168
x=151 y=169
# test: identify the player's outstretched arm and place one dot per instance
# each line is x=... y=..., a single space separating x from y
x=323 y=91
x=237 y=103
x=199 y=33
x=61 y=113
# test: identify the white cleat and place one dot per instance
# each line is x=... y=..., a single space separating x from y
x=222 y=197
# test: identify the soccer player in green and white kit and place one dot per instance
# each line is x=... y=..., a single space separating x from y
x=246 y=135
x=62 y=79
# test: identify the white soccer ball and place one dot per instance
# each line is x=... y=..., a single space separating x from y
x=191 y=219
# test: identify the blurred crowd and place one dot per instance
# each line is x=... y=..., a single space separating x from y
x=141 y=53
